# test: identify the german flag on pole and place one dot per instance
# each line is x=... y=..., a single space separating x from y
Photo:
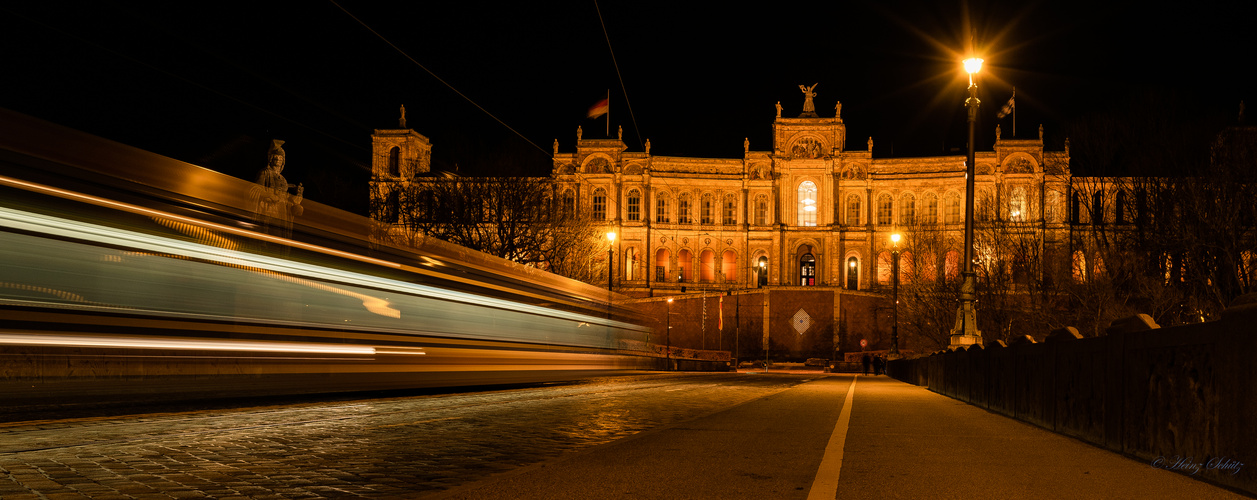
x=599 y=108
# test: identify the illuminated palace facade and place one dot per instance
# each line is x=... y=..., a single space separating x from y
x=807 y=212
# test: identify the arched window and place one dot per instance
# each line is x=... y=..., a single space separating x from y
x=1017 y=205
x=761 y=210
x=708 y=210
x=984 y=206
x=883 y=268
x=930 y=213
x=1075 y=208
x=1097 y=207
x=683 y=209
x=907 y=209
x=807 y=270
x=761 y=270
x=951 y=265
x=853 y=210
x=685 y=263
x=927 y=267
x=393 y=207
x=707 y=266
x=1119 y=208
x=630 y=263
x=807 y=203
x=662 y=265
x=661 y=209
x=885 y=207
x=600 y=204
x=951 y=206
x=729 y=266
x=1080 y=267
x=569 y=204
x=907 y=267
x=394 y=162
x=1099 y=272
x=1052 y=209
x=634 y=205
x=730 y=210
x=853 y=273
x=427 y=209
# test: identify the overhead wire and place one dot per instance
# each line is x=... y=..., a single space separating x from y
x=623 y=89
x=438 y=78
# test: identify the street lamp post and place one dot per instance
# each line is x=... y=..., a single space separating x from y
x=894 y=292
x=668 y=336
x=965 y=332
x=759 y=280
x=610 y=259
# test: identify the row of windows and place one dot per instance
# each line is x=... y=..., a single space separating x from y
x=710 y=270
x=706 y=213
x=909 y=210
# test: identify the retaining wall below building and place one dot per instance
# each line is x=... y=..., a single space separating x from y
x=1166 y=396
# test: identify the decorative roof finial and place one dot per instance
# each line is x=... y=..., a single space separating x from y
x=402 y=121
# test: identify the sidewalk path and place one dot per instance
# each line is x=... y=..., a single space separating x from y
x=908 y=442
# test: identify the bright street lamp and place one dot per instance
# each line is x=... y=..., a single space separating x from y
x=966 y=333
x=894 y=292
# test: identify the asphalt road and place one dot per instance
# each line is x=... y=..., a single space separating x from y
x=666 y=436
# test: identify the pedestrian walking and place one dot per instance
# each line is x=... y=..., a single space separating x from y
x=878 y=364
x=866 y=362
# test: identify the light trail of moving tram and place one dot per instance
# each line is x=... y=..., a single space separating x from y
x=125 y=275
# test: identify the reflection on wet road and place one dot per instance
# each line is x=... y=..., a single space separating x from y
x=370 y=448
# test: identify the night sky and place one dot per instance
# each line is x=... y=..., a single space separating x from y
x=211 y=83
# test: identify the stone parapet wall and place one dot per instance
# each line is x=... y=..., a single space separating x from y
x=1160 y=395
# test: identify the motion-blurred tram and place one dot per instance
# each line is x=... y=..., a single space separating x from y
x=128 y=275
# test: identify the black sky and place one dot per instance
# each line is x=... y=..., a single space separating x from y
x=212 y=83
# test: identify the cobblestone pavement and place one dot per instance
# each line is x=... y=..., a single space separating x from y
x=395 y=448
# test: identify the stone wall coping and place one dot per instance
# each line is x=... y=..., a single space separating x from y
x=1061 y=334
x=1137 y=323
x=1021 y=339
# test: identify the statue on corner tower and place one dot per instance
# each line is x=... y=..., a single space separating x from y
x=274 y=206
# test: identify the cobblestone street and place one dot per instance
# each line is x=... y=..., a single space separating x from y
x=398 y=447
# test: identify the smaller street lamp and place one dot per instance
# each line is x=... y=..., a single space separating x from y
x=759 y=280
x=610 y=259
x=894 y=292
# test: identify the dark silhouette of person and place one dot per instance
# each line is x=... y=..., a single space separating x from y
x=878 y=364
x=866 y=362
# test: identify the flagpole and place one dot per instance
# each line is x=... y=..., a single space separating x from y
x=1014 y=113
x=609 y=114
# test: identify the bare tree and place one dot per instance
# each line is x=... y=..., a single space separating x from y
x=515 y=218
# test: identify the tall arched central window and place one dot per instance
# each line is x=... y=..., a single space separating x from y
x=1017 y=205
x=807 y=203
